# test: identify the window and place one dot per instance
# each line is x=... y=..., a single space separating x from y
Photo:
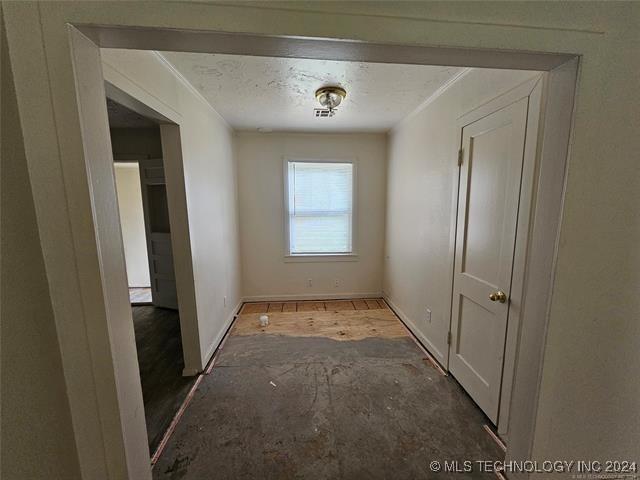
x=320 y=207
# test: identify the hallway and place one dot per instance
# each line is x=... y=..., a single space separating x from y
x=324 y=394
x=159 y=348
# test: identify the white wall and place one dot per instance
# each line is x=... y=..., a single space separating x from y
x=132 y=223
x=421 y=174
x=35 y=414
x=261 y=193
x=210 y=183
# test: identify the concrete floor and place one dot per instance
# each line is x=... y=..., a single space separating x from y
x=290 y=407
x=159 y=348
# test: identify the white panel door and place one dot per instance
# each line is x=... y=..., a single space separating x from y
x=156 y=219
x=490 y=178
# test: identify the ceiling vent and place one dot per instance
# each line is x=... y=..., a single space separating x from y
x=323 y=112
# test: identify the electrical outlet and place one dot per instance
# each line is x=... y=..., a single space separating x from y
x=336 y=283
x=428 y=315
x=310 y=282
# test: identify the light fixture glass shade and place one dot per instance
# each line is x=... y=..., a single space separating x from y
x=330 y=100
x=330 y=97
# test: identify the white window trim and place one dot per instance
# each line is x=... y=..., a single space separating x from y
x=321 y=257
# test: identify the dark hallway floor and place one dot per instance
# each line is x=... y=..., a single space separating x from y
x=159 y=347
x=324 y=395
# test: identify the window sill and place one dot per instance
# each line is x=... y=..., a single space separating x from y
x=334 y=257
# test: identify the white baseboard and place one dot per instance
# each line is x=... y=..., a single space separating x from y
x=433 y=351
x=216 y=342
x=315 y=296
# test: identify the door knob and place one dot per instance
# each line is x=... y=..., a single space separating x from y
x=498 y=296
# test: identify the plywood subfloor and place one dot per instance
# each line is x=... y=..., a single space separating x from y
x=314 y=306
x=335 y=324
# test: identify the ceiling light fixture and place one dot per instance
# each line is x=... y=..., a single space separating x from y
x=330 y=97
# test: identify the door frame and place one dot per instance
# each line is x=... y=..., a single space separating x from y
x=66 y=144
x=171 y=145
x=533 y=90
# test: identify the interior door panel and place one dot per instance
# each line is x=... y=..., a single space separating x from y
x=490 y=177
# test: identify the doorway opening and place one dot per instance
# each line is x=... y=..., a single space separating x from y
x=143 y=206
x=551 y=154
x=132 y=222
x=314 y=176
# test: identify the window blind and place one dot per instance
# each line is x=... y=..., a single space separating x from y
x=320 y=207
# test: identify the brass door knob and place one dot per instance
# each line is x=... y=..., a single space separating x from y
x=498 y=296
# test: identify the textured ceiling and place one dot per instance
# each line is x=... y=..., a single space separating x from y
x=278 y=93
